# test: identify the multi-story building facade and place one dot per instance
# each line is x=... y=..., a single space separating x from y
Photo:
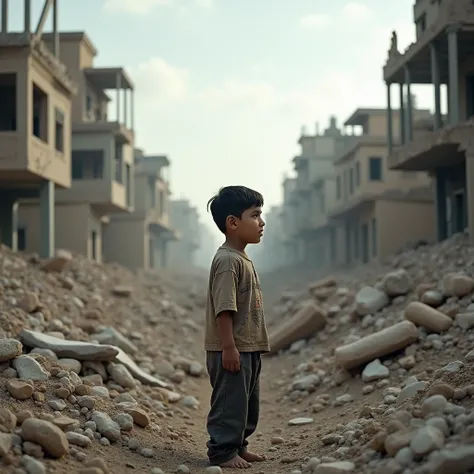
x=140 y=239
x=444 y=147
x=378 y=210
x=315 y=193
x=185 y=219
x=35 y=124
x=102 y=163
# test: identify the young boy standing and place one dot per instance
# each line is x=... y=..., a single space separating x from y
x=236 y=334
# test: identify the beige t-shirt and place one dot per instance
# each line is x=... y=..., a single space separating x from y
x=234 y=286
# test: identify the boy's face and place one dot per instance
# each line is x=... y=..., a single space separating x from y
x=249 y=228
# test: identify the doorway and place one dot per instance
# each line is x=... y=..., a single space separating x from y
x=459 y=212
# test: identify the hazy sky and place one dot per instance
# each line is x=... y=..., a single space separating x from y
x=223 y=86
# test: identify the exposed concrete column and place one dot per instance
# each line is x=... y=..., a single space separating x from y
x=9 y=221
x=435 y=79
x=470 y=193
x=4 y=16
x=389 y=119
x=132 y=109
x=440 y=196
x=409 y=108
x=27 y=17
x=402 y=116
x=55 y=29
x=453 y=68
x=164 y=252
x=47 y=226
x=118 y=87
x=125 y=107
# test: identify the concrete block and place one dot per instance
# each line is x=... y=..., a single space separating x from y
x=377 y=345
x=309 y=319
x=430 y=318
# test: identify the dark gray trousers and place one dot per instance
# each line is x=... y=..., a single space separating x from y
x=235 y=403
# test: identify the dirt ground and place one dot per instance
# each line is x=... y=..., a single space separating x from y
x=187 y=444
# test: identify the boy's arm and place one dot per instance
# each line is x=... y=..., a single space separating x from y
x=230 y=354
x=224 y=295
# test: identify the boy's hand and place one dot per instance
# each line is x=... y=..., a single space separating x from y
x=231 y=359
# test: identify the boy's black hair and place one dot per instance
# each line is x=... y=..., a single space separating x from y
x=232 y=201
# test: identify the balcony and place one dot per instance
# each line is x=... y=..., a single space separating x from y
x=92 y=182
x=35 y=95
x=101 y=80
x=450 y=13
x=432 y=149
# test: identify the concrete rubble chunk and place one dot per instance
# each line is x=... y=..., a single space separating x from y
x=454 y=461
x=58 y=262
x=122 y=290
x=378 y=344
x=397 y=283
x=9 y=349
x=69 y=349
x=375 y=371
x=139 y=374
x=29 y=368
x=458 y=284
x=113 y=337
x=369 y=300
x=337 y=467
x=427 y=317
x=51 y=438
x=309 y=319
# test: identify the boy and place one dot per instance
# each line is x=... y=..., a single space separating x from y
x=235 y=329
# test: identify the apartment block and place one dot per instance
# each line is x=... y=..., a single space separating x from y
x=314 y=193
x=102 y=159
x=140 y=239
x=441 y=56
x=36 y=91
x=185 y=219
x=379 y=210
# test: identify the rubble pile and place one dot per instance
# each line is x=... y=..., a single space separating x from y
x=398 y=345
x=90 y=357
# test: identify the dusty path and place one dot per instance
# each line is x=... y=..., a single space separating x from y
x=187 y=446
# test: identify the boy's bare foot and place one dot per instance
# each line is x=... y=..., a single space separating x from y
x=252 y=457
x=236 y=463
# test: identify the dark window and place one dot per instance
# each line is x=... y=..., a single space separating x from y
x=375 y=169
x=351 y=181
x=94 y=244
x=8 y=111
x=357 y=174
x=40 y=114
x=76 y=166
x=59 y=130
x=128 y=184
x=21 y=236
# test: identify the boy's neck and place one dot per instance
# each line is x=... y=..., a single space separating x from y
x=235 y=244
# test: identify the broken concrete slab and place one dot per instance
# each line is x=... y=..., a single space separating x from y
x=109 y=335
x=427 y=317
x=69 y=349
x=378 y=344
x=139 y=374
x=304 y=324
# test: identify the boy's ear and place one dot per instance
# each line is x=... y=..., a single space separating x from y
x=231 y=222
